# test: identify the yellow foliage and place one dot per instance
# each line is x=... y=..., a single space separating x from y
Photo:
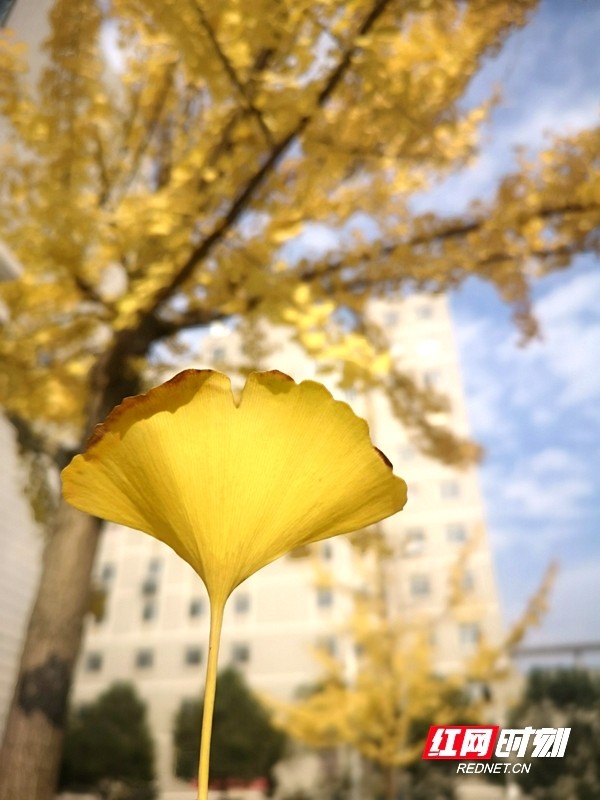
x=383 y=688
x=169 y=188
x=372 y=698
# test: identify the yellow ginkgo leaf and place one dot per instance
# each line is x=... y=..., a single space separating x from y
x=233 y=486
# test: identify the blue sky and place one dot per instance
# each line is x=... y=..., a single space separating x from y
x=536 y=410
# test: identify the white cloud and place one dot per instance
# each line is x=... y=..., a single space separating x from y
x=580 y=294
x=484 y=417
x=564 y=114
x=556 y=497
x=570 y=318
x=547 y=485
x=543 y=380
x=553 y=460
x=542 y=417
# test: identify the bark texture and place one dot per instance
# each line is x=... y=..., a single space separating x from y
x=33 y=737
x=30 y=754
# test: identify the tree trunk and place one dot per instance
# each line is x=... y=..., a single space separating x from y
x=32 y=746
x=390 y=782
x=30 y=755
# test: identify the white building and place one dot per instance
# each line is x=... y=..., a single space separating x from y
x=20 y=543
x=155 y=630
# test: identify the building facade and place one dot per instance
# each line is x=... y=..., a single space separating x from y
x=21 y=540
x=21 y=543
x=154 y=631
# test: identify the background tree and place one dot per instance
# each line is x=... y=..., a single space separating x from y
x=159 y=193
x=244 y=743
x=564 y=697
x=188 y=722
x=379 y=693
x=108 y=748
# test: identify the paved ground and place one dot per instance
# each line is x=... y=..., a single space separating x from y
x=477 y=789
x=474 y=789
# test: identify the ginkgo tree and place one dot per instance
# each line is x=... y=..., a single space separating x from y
x=381 y=689
x=377 y=688
x=163 y=174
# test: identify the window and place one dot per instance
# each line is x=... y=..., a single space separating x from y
x=144 y=659
x=149 y=587
x=350 y=395
x=240 y=653
x=196 y=607
x=419 y=585
x=414 y=542
x=424 y=311
x=432 y=378
x=467 y=582
x=456 y=532
x=242 y=603
x=193 y=656
x=324 y=598
x=327 y=551
x=468 y=634
x=155 y=566
x=107 y=573
x=449 y=489
x=149 y=611
x=328 y=645
x=93 y=662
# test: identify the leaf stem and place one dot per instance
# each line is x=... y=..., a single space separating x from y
x=216 y=621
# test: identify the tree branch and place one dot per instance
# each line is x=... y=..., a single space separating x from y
x=241 y=202
x=193 y=318
x=233 y=77
x=152 y=126
x=147 y=322
x=457 y=229
x=31 y=441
